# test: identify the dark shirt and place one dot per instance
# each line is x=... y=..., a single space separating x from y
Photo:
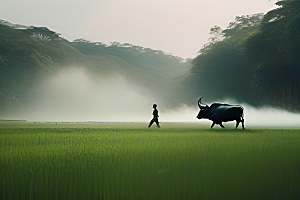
x=155 y=113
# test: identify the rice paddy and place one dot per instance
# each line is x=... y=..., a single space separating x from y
x=129 y=161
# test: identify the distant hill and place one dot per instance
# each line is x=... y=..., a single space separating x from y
x=30 y=54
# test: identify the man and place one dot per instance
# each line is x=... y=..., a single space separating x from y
x=155 y=117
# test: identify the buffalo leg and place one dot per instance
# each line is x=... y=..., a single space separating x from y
x=222 y=125
x=237 y=123
x=243 y=123
x=213 y=124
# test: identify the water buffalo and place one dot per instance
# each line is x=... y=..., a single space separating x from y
x=219 y=113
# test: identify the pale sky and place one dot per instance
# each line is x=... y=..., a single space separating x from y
x=179 y=27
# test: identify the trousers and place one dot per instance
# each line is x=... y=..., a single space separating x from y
x=154 y=120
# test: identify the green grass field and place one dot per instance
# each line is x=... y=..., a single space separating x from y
x=129 y=161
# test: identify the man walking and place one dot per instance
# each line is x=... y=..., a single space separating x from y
x=155 y=117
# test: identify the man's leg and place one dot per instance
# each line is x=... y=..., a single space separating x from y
x=157 y=123
x=151 y=122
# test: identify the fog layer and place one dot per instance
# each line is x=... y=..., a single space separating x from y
x=254 y=117
x=74 y=94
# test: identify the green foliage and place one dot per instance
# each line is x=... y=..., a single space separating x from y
x=96 y=162
x=242 y=26
x=275 y=51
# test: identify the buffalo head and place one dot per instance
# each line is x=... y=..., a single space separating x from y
x=203 y=110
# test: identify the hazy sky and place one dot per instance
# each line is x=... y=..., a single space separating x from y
x=179 y=27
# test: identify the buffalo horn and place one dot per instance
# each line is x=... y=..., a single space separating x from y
x=201 y=106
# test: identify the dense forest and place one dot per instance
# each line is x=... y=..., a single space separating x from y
x=255 y=60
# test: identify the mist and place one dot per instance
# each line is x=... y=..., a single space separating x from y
x=254 y=117
x=74 y=94
x=270 y=118
x=77 y=95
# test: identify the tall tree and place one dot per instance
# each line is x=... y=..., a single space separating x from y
x=275 y=52
x=222 y=70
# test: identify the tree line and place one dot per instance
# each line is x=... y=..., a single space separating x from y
x=254 y=60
